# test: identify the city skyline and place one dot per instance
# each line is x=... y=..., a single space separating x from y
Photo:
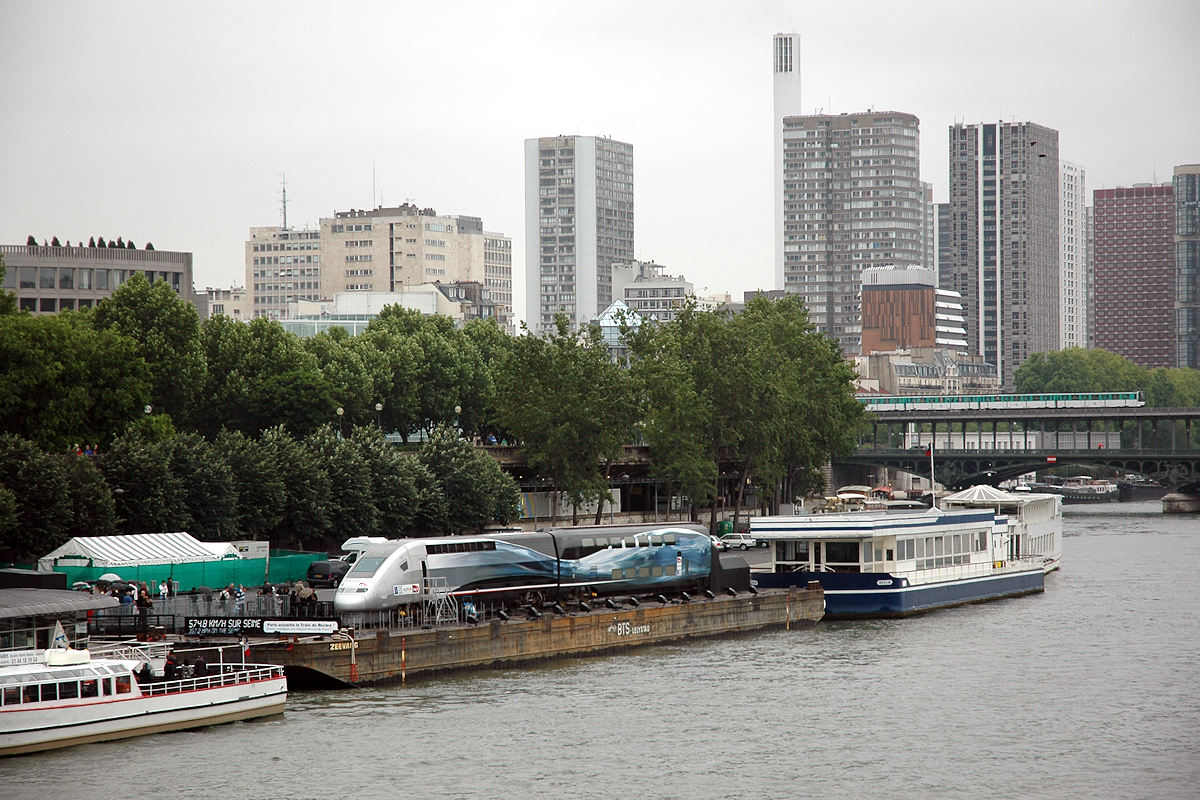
x=135 y=119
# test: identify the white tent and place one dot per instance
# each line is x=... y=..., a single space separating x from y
x=114 y=552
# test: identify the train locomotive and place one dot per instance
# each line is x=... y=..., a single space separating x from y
x=554 y=564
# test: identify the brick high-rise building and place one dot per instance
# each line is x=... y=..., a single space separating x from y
x=1134 y=299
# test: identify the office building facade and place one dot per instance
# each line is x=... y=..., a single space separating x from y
x=1002 y=251
x=903 y=308
x=852 y=199
x=1135 y=273
x=49 y=279
x=283 y=266
x=579 y=217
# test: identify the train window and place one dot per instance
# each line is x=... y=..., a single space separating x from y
x=656 y=539
x=367 y=565
x=616 y=574
x=404 y=565
x=643 y=572
x=587 y=542
x=602 y=541
x=656 y=572
x=668 y=538
x=631 y=572
x=669 y=569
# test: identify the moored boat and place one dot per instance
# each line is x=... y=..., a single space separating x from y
x=62 y=697
x=1132 y=488
x=1034 y=519
x=890 y=564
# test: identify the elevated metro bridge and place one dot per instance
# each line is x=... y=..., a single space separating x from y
x=992 y=445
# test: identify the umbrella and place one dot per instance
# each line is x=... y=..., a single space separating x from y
x=109 y=576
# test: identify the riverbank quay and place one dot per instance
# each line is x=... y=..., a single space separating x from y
x=367 y=657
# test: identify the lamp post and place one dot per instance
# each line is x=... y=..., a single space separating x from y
x=379 y=416
x=341 y=412
x=457 y=413
x=147 y=409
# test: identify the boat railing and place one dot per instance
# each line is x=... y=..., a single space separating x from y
x=126 y=650
x=217 y=675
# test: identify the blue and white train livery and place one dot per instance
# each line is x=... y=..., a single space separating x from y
x=1004 y=402
x=891 y=564
x=548 y=564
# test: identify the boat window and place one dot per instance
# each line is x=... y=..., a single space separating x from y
x=68 y=690
x=982 y=541
x=31 y=693
x=88 y=688
x=841 y=552
x=107 y=683
x=879 y=555
x=49 y=691
x=122 y=684
x=12 y=695
x=866 y=552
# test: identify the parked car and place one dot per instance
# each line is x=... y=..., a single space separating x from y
x=742 y=541
x=717 y=543
x=327 y=573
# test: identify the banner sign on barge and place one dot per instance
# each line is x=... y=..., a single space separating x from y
x=256 y=626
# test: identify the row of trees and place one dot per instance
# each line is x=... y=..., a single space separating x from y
x=761 y=389
x=30 y=241
x=1078 y=370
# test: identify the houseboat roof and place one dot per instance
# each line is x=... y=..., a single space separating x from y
x=870 y=524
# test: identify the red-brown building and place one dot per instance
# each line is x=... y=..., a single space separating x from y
x=1134 y=274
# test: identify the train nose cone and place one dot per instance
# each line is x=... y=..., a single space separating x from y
x=348 y=598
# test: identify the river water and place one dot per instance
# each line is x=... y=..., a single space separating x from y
x=1088 y=690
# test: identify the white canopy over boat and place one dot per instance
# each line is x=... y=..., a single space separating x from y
x=114 y=552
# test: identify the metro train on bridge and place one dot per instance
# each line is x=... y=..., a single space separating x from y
x=1003 y=402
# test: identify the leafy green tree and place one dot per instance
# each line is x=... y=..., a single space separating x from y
x=8 y=300
x=483 y=493
x=407 y=496
x=206 y=488
x=494 y=346
x=66 y=384
x=89 y=496
x=306 y=516
x=261 y=491
x=148 y=496
x=258 y=376
x=570 y=407
x=351 y=502
x=1078 y=370
x=167 y=331
x=40 y=504
x=347 y=375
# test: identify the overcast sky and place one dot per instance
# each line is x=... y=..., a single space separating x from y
x=175 y=122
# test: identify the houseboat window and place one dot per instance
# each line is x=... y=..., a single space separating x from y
x=31 y=693
x=89 y=688
x=889 y=555
x=68 y=690
x=879 y=555
x=122 y=684
x=841 y=552
x=12 y=695
x=982 y=541
x=49 y=691
x=107 y=683
x=866 y=552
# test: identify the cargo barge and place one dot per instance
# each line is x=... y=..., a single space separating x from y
x=350 y=657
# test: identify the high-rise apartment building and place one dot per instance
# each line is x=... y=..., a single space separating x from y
x=646 y=289
x=1135 y=273
x=852 y=199
x=1186 y=187
x=380 y=250
x=929 y=223
x=1003 y=249
x=785 y=63
x=1073 y=298
x=578 y=222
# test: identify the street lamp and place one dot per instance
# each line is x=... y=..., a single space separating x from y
x=148 y=409
x=341 y=412
x=379 y=415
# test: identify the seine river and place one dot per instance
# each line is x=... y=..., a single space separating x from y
x=1091 y=689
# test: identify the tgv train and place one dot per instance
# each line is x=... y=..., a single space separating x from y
x=547 y=564
x=1004 y=401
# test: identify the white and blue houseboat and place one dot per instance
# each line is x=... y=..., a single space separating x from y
x=891 y=564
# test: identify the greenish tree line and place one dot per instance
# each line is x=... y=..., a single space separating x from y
x=135 y=416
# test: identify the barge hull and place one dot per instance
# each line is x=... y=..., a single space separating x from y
x=387 y=656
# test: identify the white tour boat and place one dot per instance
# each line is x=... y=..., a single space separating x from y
x=61 y=697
